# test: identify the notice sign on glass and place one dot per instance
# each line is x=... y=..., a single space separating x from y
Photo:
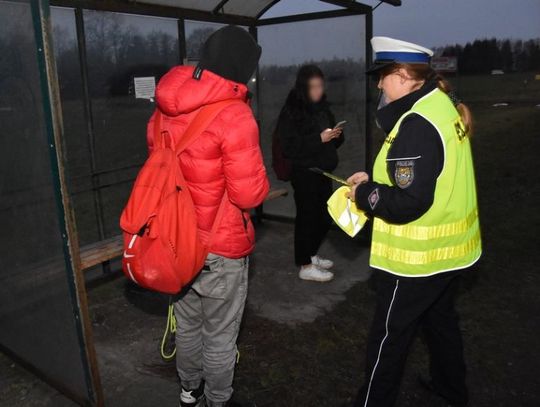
x=145 y=87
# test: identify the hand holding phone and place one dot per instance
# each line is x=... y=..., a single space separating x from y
x=329 y=134
x=340 y=124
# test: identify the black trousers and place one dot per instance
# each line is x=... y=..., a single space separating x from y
x=311 y=192
x=403 y=305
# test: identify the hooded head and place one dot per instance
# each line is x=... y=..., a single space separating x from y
x=232 y=53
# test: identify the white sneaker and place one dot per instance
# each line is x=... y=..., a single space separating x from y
x=313 y=273
x=193 y=398
x=322 y=263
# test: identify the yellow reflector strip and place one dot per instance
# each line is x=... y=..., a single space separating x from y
x=428 y=256
x=427 y=232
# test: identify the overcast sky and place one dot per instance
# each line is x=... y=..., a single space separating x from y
x=440 y=22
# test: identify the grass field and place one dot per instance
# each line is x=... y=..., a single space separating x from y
x=512 y=88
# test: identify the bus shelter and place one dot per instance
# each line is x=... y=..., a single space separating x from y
x=76 y=91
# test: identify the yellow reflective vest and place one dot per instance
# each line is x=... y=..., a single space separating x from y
x=447 y=236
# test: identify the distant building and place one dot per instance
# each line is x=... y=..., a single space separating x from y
x=444 y=64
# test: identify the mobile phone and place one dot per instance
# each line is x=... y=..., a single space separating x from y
x=340 y=124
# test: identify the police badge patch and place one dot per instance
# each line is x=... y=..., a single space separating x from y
x=404 y=174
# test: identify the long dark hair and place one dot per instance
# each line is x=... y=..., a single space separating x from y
x=298 y=102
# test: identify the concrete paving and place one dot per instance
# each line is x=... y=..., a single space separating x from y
x=276 y=292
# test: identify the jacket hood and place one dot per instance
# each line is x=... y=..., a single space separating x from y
x=179 y=92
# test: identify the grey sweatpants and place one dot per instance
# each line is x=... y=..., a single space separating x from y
x=208 y=319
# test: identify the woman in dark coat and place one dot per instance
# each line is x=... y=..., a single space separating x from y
x=305 y=128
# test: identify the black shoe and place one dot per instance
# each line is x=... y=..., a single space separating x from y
x=428 y=384
x=192 y=398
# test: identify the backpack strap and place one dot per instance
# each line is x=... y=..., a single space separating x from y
x=201 y=122
x=162 y=138
x=197 y=126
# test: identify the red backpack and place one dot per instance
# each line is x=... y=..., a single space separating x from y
x=162 y=248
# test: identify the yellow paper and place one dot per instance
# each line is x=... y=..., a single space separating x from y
x=345 y=213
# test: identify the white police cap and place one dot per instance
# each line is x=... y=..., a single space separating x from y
x=389 y=51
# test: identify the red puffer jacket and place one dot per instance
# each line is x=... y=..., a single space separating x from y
x=227 y=155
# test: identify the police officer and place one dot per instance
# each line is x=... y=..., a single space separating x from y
x=422 y=198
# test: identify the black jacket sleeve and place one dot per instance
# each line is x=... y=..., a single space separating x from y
x=414 y=163
x=296 y=143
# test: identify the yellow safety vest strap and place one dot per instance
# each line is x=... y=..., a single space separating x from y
x=425 y=257
x=427 y=232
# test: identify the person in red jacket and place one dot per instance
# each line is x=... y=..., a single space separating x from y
x=226 y=157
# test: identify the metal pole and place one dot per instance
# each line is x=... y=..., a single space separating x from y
x=254 y=32
x=52 y=110
x=369 y=60
x=259 y=210
x=89 y=118
x=182 y=48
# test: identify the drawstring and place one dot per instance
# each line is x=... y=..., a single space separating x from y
x=170 y=330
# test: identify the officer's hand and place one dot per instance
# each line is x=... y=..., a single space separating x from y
x=358 y=178
x=352 y=193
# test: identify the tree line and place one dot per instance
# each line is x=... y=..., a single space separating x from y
x=484 y=55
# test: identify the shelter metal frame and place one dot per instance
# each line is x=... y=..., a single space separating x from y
x=350 y=8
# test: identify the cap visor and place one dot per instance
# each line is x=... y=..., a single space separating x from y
x=378 y=65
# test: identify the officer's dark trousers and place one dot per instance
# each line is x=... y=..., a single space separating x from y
x=311 y=192
x=403 y=305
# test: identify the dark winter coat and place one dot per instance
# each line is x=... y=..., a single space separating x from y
x=300 y=136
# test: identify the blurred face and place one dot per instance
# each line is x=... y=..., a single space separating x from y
x=397 y=84
x=315 y=89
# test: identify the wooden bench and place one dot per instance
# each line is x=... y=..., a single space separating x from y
x=108 y=249
x=276 y=193
x=272 y=194
x=100 y=252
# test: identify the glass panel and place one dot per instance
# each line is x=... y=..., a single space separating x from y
x=78 y=165
x=245 y=8
x=205 y=5
x=121 y=48
x=37 y=321
x=290 y=7
x=314 y=42
x=196 y=34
